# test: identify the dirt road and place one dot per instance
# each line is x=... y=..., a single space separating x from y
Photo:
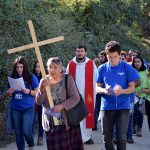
x=140 y=143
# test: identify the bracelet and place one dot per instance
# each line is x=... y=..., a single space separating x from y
x=30 y=92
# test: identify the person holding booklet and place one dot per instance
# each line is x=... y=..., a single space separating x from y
x=61 y=136
x=22 y=104
x=16 y=84
x=115 y=81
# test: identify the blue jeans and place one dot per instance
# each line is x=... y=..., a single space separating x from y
x=147 y=107
x=23 y=121
x=137 y=117
x=130 y=126
x=97 y=108
x=109 y=118
x=34 y=121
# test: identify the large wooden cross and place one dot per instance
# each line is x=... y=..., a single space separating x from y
x=36 y=45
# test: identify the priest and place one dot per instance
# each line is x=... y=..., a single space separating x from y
x=84 y=70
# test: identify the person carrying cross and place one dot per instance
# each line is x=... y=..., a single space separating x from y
x=61 y=136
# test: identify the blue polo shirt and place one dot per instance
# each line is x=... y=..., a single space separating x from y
x=122 y=74
x=21 y=101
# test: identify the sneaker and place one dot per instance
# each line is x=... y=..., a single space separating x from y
x=130 y=140
x=115 y=141
x=40 y=141
x=138 y=133
x=90 y=141
x=134 y=131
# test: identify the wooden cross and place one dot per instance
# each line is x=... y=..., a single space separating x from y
x=36 y=45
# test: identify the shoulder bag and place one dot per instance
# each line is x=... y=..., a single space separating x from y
x=77 y=113
x=142 y=105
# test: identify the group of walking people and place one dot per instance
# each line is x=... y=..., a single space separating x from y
x=107 y=84
x=141 y=74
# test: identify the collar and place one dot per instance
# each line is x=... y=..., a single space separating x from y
x=85 y=61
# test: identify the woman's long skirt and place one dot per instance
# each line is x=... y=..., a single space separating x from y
x=60 y=139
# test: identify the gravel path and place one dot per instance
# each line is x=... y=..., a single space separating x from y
x=140 y=143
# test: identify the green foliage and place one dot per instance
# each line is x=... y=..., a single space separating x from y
x=92 y=23
x=113 y=20
x=89 y=22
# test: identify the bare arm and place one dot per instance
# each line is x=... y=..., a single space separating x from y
x=33 y=92
x=144 y=90
x=137 y=82
x=30 y=92
x=118 y=91
x=101 y=90
x=129 y=90
x=10 y=91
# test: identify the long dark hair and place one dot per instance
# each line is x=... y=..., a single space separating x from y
x=143 y=67
x=104 y=54
x=26 y=74
x=34 y=66
x=34 y=71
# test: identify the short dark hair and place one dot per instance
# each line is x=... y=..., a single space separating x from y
x=81 y=46
x=123 y=53
x=112 y=46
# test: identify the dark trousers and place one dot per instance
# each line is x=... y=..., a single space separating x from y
x=97 y=108
x=147 y=107
x=130 y=126
x=41 y=131
x=109 y=118
x=137 y=117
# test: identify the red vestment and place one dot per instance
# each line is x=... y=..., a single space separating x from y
x=89 y=89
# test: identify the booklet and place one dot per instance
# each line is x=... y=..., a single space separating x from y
x=110 y=89
x=16 y=84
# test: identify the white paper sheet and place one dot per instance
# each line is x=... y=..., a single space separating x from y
x=135 y=99
x=16 y=84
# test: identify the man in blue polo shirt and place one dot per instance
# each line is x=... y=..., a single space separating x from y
x=115 y=81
